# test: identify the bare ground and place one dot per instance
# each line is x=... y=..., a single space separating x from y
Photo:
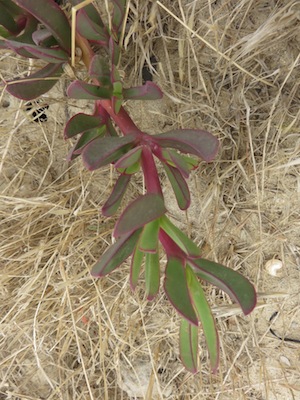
x=231 y=68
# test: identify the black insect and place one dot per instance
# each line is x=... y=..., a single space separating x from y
x=147 y=74
x=38 y=114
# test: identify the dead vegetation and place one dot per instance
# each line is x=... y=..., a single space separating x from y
x=231 y=68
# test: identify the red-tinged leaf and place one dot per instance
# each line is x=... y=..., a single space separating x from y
x=7 y=20
x=186 y=244
x=116 y=254
x=136 y=265
x=110 y=129
x=204 y=314
x=130 y=158
x=149 y=91
x=193 y=141
x=82 y=90
x=52 y=17
x=91 y=30
x=114 y=53
x=12 y=8
x=233 y=283
x=105 y=150
x=81 y=123
x=140 y=212
x=183 y=163
x=152 y=274
x=179 y=186
x=36 y=84
x=43 y=37
x=176 y=289
x=84 y=140
x=149 y=238
x=49 y=55
x=91 y=12
x=118 y=14
x=100 y=70
x=115 y=198
x=188 y=345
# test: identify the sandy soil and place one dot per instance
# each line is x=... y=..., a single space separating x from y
x=230 y=67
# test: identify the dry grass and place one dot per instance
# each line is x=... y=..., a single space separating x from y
x=231 y=68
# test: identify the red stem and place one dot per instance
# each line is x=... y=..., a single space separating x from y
x=150 y=172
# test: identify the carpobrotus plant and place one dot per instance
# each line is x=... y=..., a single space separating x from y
x=42 y=30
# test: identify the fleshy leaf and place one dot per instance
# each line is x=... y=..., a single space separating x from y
x=182 y=162
x=82 y=90
x=149 y=237
x=186 y=244
x=149 y=91
x=118 y=14
x=116 y=254
x=105 y=150
x=84 y=139
x=176 y=289
x=99 y=69
x=54 y=56
x=179 y=186
x=232 y=282
x=188 y=345
x=115 y=198
x=204 y=314
x=193 y=141
x=130 y=158
x=152 y=274
x=43 y=37
x=90 y=29
x=144 y=209
x=136 y=264
x=80 y=123
x=52 y=17
x=35 y=85
x=8 y=21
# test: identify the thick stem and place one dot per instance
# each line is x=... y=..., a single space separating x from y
x=150 y=172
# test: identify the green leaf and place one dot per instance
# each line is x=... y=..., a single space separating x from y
x=204 y=314
x=43 y=37
x=130 y=158
x=149 y=91
x=186 y=244
x=152 y=274
x=84 y=139
x=36 y=84
x=99 y=69
x=116 y=254
x=193 y=141
x=176 y=289
x=90 y=29
x=182 y=162
x=136 y=265
x=141 y=211
x=118 y=14
x=82 y=90
x=81 y=123
x=179 y=186
x=188 y=345
x=7 y=20
x=49 y=55
x=149 y=237
x=233 y=283
x=115 y=198
x=105 y=150
x=52 y=17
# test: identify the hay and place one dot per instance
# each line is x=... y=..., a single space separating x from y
x=231 y=68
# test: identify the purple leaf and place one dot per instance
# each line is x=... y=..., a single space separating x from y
x=115 y=198
x=91 y=30
x=116 y=254
x=188 y=345
x=35 y=85
x=233 y=283
x=193 y=141
x=144 y=209
x=152 y=274
x=204 y=314
x=105 y=150
x=176 y=289
x=80 y=123
x=49 y=55
x=84 y=140
x=130 y=158
x=135 y=268
x=149 y=91
x=52 y=17
x=179 y=186
x=82 y=90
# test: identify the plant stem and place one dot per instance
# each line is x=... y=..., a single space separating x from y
x=150 y=172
